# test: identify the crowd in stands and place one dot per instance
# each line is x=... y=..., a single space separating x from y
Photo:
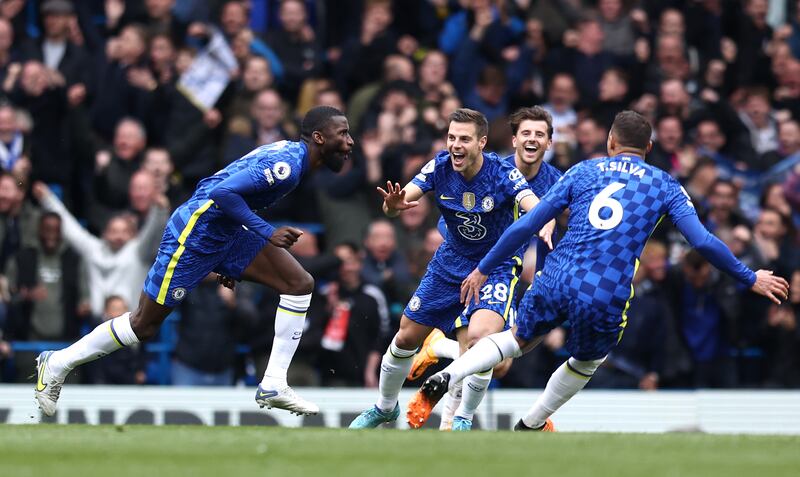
x=112 y=110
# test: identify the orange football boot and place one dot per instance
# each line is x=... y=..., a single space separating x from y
x=425 y=357
x=424 y=400
x=547 y=427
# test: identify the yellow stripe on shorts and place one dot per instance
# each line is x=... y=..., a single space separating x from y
x=627 y=305
x=512 y=288
x=162 y=293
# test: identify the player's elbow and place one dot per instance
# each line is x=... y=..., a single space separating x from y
x=218 y=194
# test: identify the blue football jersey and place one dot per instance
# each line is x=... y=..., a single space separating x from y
x=543 y=180
x=615 y=203
x=275 y=169
x=540 y=184
x=476 y=211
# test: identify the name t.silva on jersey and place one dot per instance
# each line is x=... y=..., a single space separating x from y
x=622 y=166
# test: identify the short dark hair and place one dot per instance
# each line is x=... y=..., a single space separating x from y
x=317 y=118
x=534 y=113
x=48 y=214
x=723 y=182
x=632 y=129
x=466 y=115
x=350 y=245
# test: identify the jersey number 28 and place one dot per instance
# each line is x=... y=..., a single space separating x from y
x=603 y=200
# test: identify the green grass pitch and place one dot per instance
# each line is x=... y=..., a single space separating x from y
x=118 y=451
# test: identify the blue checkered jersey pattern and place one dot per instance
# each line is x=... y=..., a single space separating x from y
x=615 y=203
x=476 y=211
x=275 y=170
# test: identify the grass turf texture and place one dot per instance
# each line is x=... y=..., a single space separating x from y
x=87 y=451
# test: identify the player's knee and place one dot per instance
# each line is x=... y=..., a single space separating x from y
x=143 y=329
x=586 y=368
x=502 y=369
x=473 y=336
x=406 y=341
x=303 y=284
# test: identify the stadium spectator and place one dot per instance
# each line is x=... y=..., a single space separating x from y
x=256 y=77
x=14 y=146
x=356 y=328
x=19 y=219
x=788 y=145
x=583 y=57
x=159 y=164
x=590 y=140
x=55 y=50
x=8 y=48
x=562 y=97
x=384 y=265
x=612 y=95
x=699 y=182
x=267 y=115
x=142 y=194
x=295 y=44
x=207 y=332
x=666 y=153
x=619 y=33
x=114 y=169
x=723 y=212
x=44 y=97
x=163 y=56
x=234 y=20
x=432 y=77
x=395 y=68
x=123 y=82
x=362 y=56
x=118 y=262
x=773 y=238
x=48 y=282
x=707 y=310
x=756 y=115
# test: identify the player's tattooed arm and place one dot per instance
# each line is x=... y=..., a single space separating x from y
x=396 y=200
x=546 y=233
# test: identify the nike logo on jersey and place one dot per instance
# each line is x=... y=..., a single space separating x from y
x=494 y=302
x=265 y=394
x=444 y=197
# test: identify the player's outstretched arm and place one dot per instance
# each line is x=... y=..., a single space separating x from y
x=762 y=282
x=396 y=200
x=512 y=239
x=76 y=236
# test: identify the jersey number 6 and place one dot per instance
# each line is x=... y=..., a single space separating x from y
x=603 y=200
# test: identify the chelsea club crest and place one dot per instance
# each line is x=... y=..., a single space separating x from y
x=487 y=204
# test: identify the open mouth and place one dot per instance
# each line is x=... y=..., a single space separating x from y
x=458 y=158
x=531 y=148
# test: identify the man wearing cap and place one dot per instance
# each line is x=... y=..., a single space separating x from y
x=54 y=47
